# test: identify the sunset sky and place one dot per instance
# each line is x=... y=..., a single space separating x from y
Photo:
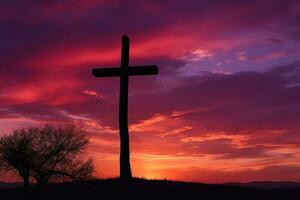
x=225 y=106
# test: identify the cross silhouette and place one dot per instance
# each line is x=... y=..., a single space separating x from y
x=123 y=72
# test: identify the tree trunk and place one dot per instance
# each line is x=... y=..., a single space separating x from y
x=41 y=180
x=25 y=181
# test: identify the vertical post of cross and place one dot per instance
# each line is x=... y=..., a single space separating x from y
x=123 y=72
x=125 y=170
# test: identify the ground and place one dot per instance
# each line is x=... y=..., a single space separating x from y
x=144 y=189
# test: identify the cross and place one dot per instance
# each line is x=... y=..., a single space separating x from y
x=123 y=72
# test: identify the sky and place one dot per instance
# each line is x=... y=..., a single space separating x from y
x=224 y=107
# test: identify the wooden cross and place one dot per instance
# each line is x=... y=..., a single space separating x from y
x=123 y=72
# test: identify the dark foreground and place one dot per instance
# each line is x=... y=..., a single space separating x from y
x=145 y=189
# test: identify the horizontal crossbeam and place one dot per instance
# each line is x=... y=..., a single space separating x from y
x=131 y=71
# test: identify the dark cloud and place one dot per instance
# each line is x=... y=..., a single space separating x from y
x=233 y=102
x=63 y=25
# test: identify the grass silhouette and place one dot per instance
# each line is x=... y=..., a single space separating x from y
x=144 y=189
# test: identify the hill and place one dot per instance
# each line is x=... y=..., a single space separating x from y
x=145 y=189
x=268 y=184
x=4 y=185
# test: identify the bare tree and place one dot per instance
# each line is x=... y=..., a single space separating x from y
x=58 y=151
x=52 y=153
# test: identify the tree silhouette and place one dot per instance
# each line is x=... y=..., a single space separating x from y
x=50 y=153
